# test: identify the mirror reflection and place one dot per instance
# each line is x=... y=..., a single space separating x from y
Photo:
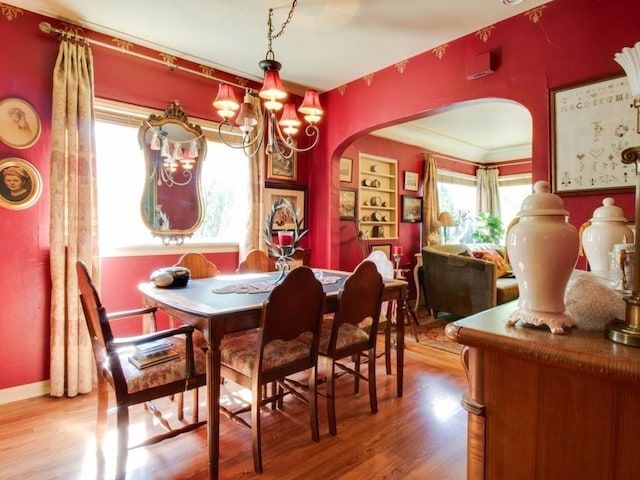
x=174 y=150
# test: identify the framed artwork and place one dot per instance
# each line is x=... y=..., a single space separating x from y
x=282 y=168
x=385 y=247
x=297 y=197
x=348 y=203
x=21 y=184
x=411 y=208
x=346 y=169
x=411 y=181
x=592 y=123
x=19 y=123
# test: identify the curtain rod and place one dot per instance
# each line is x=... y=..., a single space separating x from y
x=48 y=28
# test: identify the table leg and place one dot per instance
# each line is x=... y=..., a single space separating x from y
x=400 y=340
x=213 y=405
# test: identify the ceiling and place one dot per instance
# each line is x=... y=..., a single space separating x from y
x=317 y=48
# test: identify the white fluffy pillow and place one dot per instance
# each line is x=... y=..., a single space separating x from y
x=591 y=301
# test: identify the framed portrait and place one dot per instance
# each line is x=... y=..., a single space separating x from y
x=20 y=184
x=592 y=123
x=19 y=123
x=348 y=203
x=385 y=247
x=282 y=168
x=411 y=181
x=346 y=169
x=296 y=195
x=411 y=208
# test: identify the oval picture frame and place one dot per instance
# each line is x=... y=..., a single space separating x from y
x=14 y=169
x=19 y=123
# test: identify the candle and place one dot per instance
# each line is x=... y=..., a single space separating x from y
x=397 y=250
x=285 y=238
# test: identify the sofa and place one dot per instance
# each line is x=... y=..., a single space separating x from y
x=465 y=279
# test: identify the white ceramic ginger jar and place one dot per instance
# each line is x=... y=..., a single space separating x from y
x=607 y=228
x=543 y=251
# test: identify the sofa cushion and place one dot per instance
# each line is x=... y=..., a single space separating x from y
x=506 y=290
x=502 y=268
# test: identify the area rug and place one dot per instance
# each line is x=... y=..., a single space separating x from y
x=431 y=333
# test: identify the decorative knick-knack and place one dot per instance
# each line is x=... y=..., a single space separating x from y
x=599 y=235
x=543 y=250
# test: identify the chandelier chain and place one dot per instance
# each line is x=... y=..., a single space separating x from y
x=270 y=35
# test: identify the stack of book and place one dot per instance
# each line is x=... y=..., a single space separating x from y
x=152 y=353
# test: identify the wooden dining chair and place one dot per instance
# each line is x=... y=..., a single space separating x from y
x=133 y=386
x=198 y=265
x=285 y=343
x=352 y=332
x=255 y=261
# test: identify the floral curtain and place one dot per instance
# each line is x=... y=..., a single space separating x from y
x=254 y=238
x=73 y=233
x=488 y=196
x=430 y=205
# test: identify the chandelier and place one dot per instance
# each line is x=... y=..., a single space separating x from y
x=280 y=134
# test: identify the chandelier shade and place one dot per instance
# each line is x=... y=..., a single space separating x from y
x=278 y=140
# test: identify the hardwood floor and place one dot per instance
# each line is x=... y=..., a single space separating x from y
x=419 y=436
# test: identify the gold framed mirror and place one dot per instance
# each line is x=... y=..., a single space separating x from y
x=174 y=150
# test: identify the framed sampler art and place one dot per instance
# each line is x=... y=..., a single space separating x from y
x=296 y=195
x=592 y=123
x=20 y=184
x=346 y=169
x=19 y=123
x=348 y=203
x=411 y=181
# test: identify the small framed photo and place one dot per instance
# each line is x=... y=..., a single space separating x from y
x=21 y=184
x=384 y=247
x=348 y=203
x=346 y=169
x=411 y=209
x=411 y=181
x=19 y=123
x=282 y=168
x=296 y=195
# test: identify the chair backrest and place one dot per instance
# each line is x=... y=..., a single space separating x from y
x=198 y=265
x=255 y=261
x=382 y=262
x=96 y=318
x=359 y=300
x=294 y=311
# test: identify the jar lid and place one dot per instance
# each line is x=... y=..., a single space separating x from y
x=609 y=212
x=542 y=202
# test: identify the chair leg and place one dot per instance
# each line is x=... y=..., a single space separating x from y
x=101 y=427
x=313 y=404
x=195 y=403
x=356 y=378
x=123 y=442
x=256 y=400
x=373 y=396
x=331 y=399
x=180 y=405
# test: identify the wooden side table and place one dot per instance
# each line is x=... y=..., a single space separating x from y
x=417 y=280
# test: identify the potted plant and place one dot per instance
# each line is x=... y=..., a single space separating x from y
x=489 y=229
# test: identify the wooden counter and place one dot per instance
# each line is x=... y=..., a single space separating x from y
x=544 y=406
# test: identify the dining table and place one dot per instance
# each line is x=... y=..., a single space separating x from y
x=227 y=303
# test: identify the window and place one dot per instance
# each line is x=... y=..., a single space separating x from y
x=121 y=172
x=457 y=195
x=513 y=190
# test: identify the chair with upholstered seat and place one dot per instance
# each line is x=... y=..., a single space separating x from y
x=255 y=261
x=198 y=265
x=344 y=335
x=285 y=343
x=131 y=385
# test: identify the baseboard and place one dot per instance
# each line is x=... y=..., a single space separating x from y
x=24 y=392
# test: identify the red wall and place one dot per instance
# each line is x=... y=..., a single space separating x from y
x=573 y=41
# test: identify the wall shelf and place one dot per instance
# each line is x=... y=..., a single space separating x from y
x=378 y=196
